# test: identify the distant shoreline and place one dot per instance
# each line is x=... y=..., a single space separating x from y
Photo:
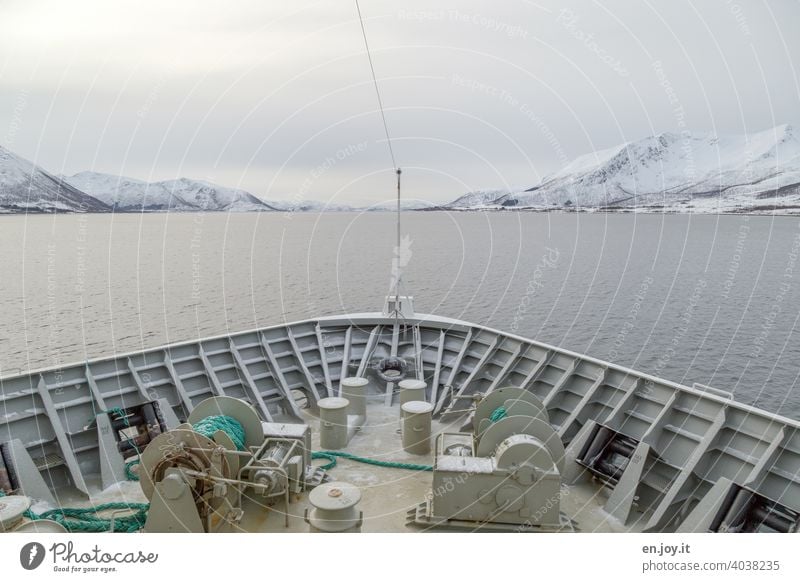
x=793 y=212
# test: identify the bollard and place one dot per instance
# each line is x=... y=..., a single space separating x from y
x=412 y=391
x=40 y=526
x=417 y=427
x=333 y=423
x=12 y=510
x=334 y=508
x=355 y=390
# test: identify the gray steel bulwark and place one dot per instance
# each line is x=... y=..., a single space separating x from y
x=686 y=439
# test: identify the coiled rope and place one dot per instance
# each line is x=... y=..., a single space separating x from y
x=129 y=473
x=498 y=413
x=87 y=519
x=332 y=456
x=227 y=424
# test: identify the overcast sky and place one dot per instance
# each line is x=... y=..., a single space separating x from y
x=276 y=97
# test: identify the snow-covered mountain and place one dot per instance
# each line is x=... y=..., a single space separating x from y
x=758 y=172
x=675 y=172
x=477 y=198
x=25 y=187
x=304 y=205
x=128 y=194
x=412 y=204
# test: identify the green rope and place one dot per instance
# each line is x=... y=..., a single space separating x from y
x=324 y=455
x=498 y=414
x=332 y=455
x=227 y=424
x=87 y=519
x=118 y=411
x=129 y=472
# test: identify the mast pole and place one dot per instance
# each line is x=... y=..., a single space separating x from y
x=397 y=248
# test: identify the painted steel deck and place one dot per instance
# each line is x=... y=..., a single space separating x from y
x=696 y=435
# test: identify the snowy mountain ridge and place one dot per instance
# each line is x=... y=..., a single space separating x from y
x=668 y=172
x=183 y=194
x=25 y=187
x=697 y=172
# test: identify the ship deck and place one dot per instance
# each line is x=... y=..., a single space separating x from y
x=687 y=439
x=387 y=493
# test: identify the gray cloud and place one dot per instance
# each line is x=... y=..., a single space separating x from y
x=478 y=94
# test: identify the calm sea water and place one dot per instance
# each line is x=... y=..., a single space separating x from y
x=706 y=299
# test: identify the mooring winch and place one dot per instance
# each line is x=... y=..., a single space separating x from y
x=505 y=474
x=196 y=475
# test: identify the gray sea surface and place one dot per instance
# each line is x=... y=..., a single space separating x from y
x=708 y=299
